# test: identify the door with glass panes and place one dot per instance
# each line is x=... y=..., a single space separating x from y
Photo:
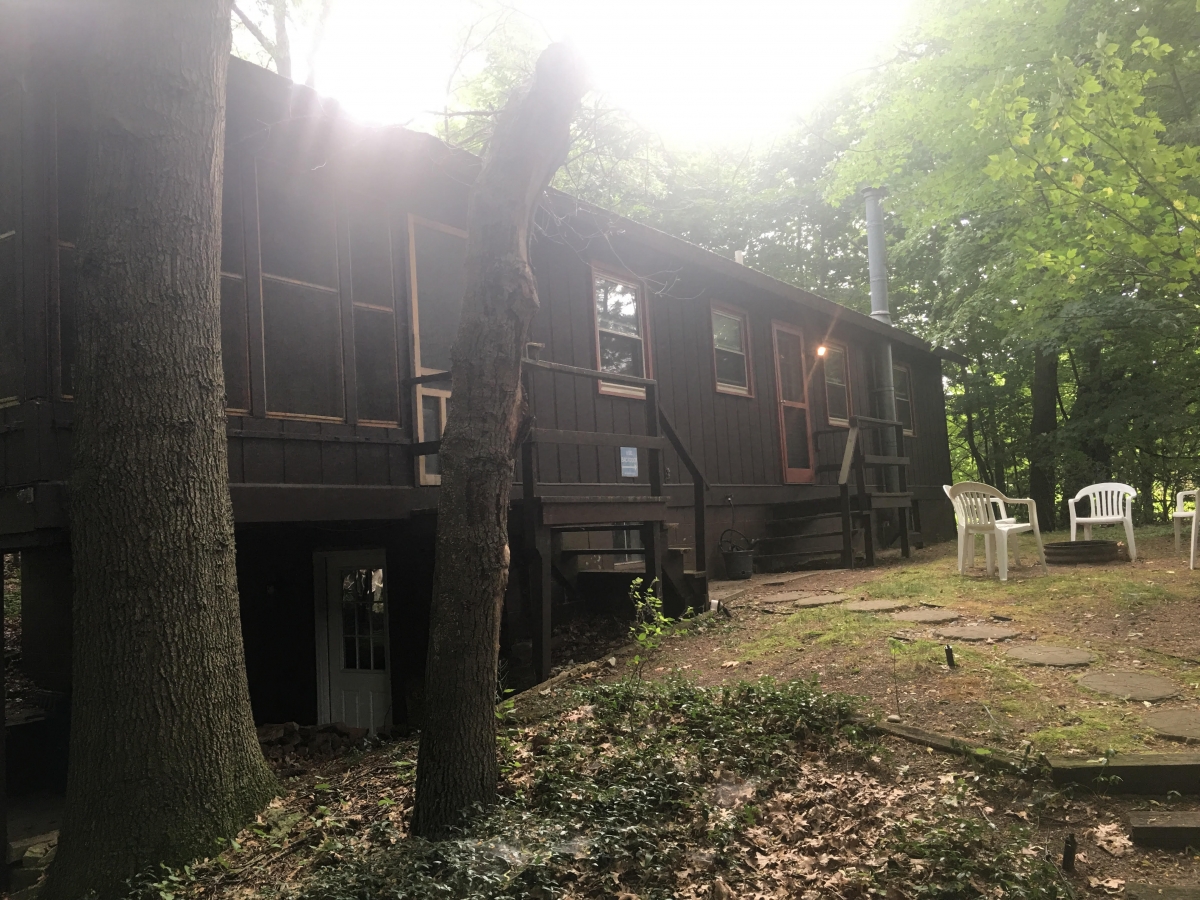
x=357 y=655
x=792 y=390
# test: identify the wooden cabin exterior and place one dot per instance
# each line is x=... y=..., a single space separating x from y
x=725 y=398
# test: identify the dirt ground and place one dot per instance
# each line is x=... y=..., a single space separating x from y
x=1139 y=616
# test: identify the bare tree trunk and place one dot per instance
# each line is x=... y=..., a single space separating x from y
x=1044 y=396
x=163 y=756
x=457 y=766
x=283 y=43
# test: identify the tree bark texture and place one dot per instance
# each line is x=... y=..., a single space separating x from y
x=1044 y=397
x=163 y=756
x=457 y=766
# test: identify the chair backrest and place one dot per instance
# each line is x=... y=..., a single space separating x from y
x=1180 y=499
x=1108 y=499
x=974 y=501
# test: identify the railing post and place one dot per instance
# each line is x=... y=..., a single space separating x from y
x=654 y=454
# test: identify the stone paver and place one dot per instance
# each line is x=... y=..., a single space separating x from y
x=821 y=600
x=784 y=597
x=928 y=616
x=1180 y=724
x=977 y=633
x=877 y=605
x=1047 y=655
x=1132 y=685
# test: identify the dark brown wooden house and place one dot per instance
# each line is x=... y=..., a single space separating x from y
x=673 y=394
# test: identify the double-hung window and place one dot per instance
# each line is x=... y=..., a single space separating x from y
x=835 y=364
x=902 y=379
x=620 y=333
x=731 y=351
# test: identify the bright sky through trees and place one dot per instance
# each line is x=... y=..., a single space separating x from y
x=698 y=71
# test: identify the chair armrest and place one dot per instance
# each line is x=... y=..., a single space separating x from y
x=1029 y=504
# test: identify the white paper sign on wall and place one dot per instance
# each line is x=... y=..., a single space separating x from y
x=629 y=462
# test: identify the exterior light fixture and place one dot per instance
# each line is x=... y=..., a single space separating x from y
x=821 y=351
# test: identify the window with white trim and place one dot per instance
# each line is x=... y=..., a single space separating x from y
x=731 y=351
x=620 y=332
x=835 y=364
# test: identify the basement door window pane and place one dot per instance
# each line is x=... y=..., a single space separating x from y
x=364 y=620
x=729 y=348
x=904 y=403
x=431 y=429
x=795 y=421
x=619 y=328
x=302 y=327
x=440 y=273
x=837 y=385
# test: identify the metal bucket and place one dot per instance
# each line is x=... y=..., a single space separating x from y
x=739 y=560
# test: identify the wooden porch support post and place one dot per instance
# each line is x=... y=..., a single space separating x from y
x=537 y=558
x=847 y=527
x=653 y=533
x=866 y=513
x=902 y=483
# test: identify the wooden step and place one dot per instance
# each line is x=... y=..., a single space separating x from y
x=1165 y=830
x=890 y=500
x=1162 y=892
x=1132 y=773
x=568 y=510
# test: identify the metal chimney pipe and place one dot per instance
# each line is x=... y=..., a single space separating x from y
x=877 y=256
x=885 y=381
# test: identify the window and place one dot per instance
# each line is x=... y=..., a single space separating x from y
x=364 y=620
x=835 y=365
x=301 y=296
x=731 y=351
x=438 y=267
x=620 y=333
x=902 y=379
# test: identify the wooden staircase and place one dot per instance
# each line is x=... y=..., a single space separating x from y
x=840 y=527
x=543 y=515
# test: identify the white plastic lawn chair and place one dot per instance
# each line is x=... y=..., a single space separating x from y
x=1110 y=503
x=1182 y=514
x=966 y=557
x=977 y=505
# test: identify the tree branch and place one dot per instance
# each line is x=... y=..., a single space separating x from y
x=267 y=44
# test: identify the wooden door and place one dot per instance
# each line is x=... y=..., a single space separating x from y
x=795 y=434
x=358 y=660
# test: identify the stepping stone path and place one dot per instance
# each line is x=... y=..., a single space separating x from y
x=1045 y=655
x=877 y=605
x=977 y=633
x=927 y=616
x=820 y=600
x=1130 y=685
x=1180 y=724
x=785 y=597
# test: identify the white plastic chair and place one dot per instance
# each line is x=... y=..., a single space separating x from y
x=967 y=559
x=977 y=503
x=1180 y=514
x=1110 y=503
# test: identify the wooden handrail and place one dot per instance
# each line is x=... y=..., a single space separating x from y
x=612 y=377
x=680 y=449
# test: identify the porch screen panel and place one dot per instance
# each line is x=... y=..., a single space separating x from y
x=71 y=168
x=12 y=325
x=440 y=281
x=374 y=312
x=304 y=368
x=235 y=335
x=795 y=422
x=302 y=329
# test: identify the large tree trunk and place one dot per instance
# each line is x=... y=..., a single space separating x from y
x=457 y=766
x=1044 y=396
x=163 y=756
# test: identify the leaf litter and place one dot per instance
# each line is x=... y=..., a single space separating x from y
x=646 y=790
